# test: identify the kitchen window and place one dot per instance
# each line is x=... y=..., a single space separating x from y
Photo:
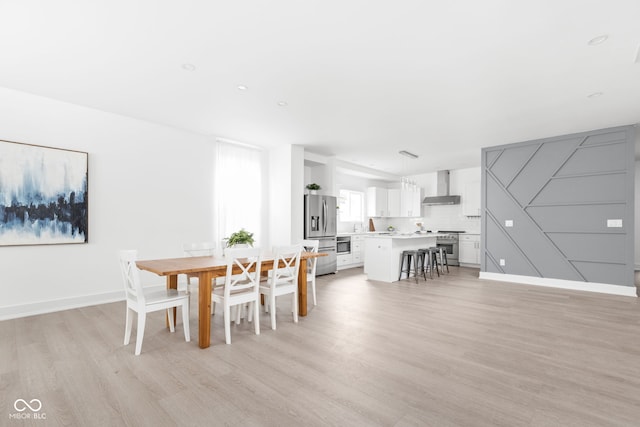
x=351 y=206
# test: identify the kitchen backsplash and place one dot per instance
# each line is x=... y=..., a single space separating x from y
x=445 y=217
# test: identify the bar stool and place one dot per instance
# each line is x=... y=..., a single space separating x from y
x=429 y=254
x=443 y=257
x=418 y=262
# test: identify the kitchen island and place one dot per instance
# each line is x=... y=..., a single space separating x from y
x=383 y=253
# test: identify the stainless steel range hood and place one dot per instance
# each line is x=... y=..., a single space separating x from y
x=443 y=197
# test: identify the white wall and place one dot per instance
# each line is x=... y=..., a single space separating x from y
x=297 y=193
x=149 y=189
x=286 y=194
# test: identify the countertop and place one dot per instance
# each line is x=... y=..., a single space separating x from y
x=405 y=235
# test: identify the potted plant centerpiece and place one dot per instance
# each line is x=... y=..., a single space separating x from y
x=313 y=188
x=240 y=238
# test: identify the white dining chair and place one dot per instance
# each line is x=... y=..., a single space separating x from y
x=241 y=287
x=312 y=246
x=145 y=302
x=201 y=249
x=282 y=279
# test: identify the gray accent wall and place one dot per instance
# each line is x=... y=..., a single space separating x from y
x=560 y=193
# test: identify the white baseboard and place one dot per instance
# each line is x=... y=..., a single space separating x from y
x=603 y=288
x=464 y=264
x=43 y=307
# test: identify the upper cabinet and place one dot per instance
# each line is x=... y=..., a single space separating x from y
x=410 y=203
x=377 y=201
x=393 y=203
x=471 y=205
x=382 y=202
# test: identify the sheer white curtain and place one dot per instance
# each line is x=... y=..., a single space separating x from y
x=238 y=190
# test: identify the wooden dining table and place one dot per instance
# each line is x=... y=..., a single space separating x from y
x=207 y=268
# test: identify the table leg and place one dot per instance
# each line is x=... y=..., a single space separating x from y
x=172 y=283
x=204 y=308
x=302 y=288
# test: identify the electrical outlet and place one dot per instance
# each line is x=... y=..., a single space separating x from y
x=502 y=263
x=508 y=223
x=615 y=223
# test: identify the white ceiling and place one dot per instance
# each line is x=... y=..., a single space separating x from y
x=363 y=79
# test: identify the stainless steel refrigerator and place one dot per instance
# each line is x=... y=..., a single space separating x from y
x=320 y=217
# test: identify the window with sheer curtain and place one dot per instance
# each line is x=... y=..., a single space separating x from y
x=238 y=190
x=351 y=206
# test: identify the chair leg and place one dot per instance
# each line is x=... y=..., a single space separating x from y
x=446 y=261
x=172 y=321
x=273 y=312
x=185 y=321
x=313 y=290
x=227 y=323
x=239 y=309
x=294 y=304
x=401 y=267
x=250 y=311
x=142 y=318
x=256 y=312
x=127 y=326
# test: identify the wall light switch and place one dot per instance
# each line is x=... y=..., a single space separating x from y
x=508 y=223
x=616 y=223
x=502 y=263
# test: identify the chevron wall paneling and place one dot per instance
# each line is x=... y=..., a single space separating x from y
x=561 y=208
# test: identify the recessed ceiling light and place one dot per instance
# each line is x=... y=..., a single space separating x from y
x=188 y=67
x=242 y=87
x=408 y=154
x=598 y=40
x=282 y=104
x=595 y=95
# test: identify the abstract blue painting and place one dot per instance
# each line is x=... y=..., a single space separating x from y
x=43 y=195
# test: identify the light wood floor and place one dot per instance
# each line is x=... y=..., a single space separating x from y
x=454 y=351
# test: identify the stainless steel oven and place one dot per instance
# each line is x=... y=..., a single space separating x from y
x=343 y=245
x=449 y=242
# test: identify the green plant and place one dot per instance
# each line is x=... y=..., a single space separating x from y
x=239 y=238
x=313 y=186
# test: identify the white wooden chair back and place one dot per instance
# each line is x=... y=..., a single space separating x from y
x=249 y=262
x=131 y=277
x=199 y=249
x=311 y=246
x=286 y=264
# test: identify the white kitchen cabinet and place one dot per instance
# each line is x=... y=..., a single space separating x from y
x=471 y=199
x=344 y=260
x=393 y=202
x=357 y=249
x=410 y=203
x=356 y=257
x=377 y=202
x=469 y=249
x=398 y=203
x=382 y=261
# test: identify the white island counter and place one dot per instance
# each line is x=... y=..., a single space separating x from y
x=383 y=253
